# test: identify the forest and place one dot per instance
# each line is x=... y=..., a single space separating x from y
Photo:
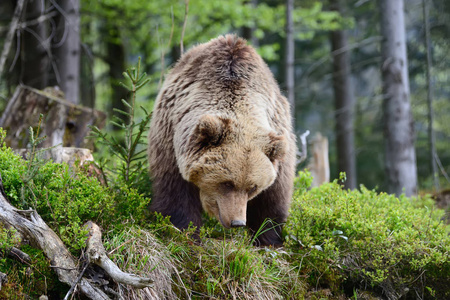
x=368 y=79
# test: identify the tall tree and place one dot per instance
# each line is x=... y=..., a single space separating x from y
x=400 y=155
x=35 y=59
x=344 y=102
x=116 y=61
x=67 y=48
x=431 y=136
x=290 y=50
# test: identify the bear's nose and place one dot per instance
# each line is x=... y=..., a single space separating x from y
x=237 y=223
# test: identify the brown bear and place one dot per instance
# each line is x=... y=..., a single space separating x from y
x=221 y=141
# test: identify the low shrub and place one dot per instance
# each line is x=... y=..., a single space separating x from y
x=67 y=197
x=346 y=239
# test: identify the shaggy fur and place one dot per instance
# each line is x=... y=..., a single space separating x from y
x=221 y=140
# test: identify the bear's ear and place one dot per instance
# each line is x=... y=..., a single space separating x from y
x=277 y=147
x=210 y=131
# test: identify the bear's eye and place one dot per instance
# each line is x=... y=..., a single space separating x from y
x=228 y=186
x=252 y=190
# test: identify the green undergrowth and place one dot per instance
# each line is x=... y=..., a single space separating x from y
x=361 y=239
x=338 y=244
x=29 y=280
x=67 y=197
x=223 y=264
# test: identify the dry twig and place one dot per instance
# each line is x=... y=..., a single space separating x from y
x=97 y=255
x=186 y=10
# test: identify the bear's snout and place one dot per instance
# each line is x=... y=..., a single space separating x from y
x=238 y=223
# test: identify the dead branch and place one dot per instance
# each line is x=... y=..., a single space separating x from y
x=304 y=153
x=186 y=10
x=3 y=279
x=97 y=255
x=32 y=226
x=12 y=30
x=19 y=255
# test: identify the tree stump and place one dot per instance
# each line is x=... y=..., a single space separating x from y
x=64 y=123
x=319 y=166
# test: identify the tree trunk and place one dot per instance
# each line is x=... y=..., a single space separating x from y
x=290 y=86
x=116 y=62
x=344 y=103
x=35 y=60
x=67 y=49
x=10 y=35
x=64 y=122
x=431 y=136
x=319 y=165
x=400 y=160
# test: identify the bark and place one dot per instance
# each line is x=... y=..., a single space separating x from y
x=303 y=154
x=35 y=59
x=344 y=103
x=87 y=82
x=400 y=155
x=116 y=62
x=18 y=255
x=64 y=123
x=319 y=165
x=431 y=136
x=290 y=54
x=67 y=48
x=97 y=255
x=10 y=36
x=3 y=279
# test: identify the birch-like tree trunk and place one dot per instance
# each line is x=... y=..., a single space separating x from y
x=67 y=48
x=344 y=102
x=400 y=155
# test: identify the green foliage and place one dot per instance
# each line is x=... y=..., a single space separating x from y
x=394 y=245
x=67 y=197
x=29 y=281
x=8 y=239
x=130 y=168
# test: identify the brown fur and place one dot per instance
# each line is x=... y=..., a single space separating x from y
x=221 y=139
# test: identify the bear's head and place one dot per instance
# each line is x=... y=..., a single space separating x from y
x=232 y=166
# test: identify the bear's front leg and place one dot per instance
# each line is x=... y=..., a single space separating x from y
x=272 y=205
x=177 y=198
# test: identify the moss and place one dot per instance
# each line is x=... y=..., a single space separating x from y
x=30 y=280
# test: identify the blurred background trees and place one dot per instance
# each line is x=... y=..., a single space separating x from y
x=336 y=63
